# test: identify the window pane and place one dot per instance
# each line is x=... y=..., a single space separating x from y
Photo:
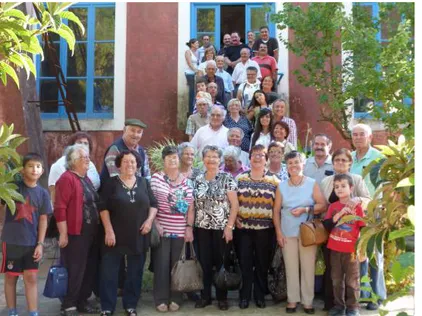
x=104 y=59
x=76 y=64
x=258 y=18
x=47 y=67
x=389 y=27
x=211 y=35
x=48 y=92
x=103 y=95
x=206 y=20
x=77 y=94
x=362 y=104
x=82 y=14
x=104 y=24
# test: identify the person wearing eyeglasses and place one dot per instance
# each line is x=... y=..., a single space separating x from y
x=214 y=133
x=255 y=228
x=342 y=161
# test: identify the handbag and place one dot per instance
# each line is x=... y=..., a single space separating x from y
x=186 y=274
x=56 y=283
x=313 y=232
x=277 y=282
x=229 y=277
x=155 y=237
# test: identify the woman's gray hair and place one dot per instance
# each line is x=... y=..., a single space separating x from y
x=72 y=153
x=242 y=133
x=212 y=148
x=295 y=154
x=206 y=100
x=181 y=148
x=231 y=102
x=232 y=151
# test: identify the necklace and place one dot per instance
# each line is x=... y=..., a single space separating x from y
x=131 y=191
x=298 y=184
x=260 y=179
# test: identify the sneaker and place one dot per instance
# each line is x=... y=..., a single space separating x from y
x=372 y=306
x=162 y=308
x=173 y=307
x=337 y=311
x=352 y=312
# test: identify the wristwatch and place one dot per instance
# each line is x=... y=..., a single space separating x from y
x=230 y=226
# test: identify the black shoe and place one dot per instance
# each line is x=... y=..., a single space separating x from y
x=372 y=306
x=201 y=303
x=310 y=311
x=243 y=304
x=223 y=305
x=88 y=309
x=260 y=303
x=192 y=296
x=290 y=310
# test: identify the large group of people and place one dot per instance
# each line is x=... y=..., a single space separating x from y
x=253 y=189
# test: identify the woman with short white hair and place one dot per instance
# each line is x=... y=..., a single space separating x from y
x=238 y=119
x=232 y=163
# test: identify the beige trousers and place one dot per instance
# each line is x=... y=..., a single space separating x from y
x=295 y=256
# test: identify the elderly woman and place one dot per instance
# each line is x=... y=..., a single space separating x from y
x=275 y=165
x=232 y=163
x=255 y=231
x=342 y=161
x=128 y=209
x=216 y=209
x=279 y=133
x=75 y=210
x=236 y=119
x=234 y=138
x=295 y=198
x=262 y=133
x=174 y=222
x=187 y=153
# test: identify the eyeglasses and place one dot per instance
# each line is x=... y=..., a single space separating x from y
x=341 y=160
x=258 y=155
x=84 y=157
x=216 y=115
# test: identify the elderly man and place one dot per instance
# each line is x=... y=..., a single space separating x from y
x=227 y=41
x=227 y=78
x=320 y=165
x=132 y=134
x=232 y=54
x=235 y=136
x=267 y=64
x=279 y=114
x=210 y=76
x=239 y=73
x=246 y=90
x=212 y=89
x=271 y=42
x=362 y=157
x=200 y=118
x=251 y=41
x=213 y=133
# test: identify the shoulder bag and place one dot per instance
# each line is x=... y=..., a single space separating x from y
x=313 y=232
x=229 y=277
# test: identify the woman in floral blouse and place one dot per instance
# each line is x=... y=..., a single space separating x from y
x=174 y=222
x=216 y=209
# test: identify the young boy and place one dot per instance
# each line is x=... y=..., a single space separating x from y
x=23 y=236
x=342 y=242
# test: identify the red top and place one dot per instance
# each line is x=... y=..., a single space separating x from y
x=68 y=204
x=267 y=65
x=343 y=238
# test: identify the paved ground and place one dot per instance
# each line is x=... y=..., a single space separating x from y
x=50 y=307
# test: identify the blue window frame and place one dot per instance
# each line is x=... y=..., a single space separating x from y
x=382 y=37
x=89 y=72
x=206 y=19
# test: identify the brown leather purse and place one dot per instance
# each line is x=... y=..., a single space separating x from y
x=313 y=232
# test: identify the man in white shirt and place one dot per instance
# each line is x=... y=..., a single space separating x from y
x=239 y=73
x=214 y=133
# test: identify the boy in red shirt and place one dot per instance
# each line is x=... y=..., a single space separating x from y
x=342 y=242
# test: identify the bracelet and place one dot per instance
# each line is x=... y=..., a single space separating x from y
x=230 y=226
x=40 y=243
x=189 y=225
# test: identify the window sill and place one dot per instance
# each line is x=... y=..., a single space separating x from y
x=50 y=125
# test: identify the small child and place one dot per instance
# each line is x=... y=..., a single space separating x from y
x=23 y=236
x=342 y=242
x=200 y=92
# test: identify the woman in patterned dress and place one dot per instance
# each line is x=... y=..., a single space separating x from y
x=216 y=209
x=237 y=119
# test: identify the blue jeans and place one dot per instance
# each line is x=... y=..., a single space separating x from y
x=190 y=78
x=377 y=276
x=109 y=279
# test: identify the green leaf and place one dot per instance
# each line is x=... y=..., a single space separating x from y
x=6 y=6
x=407 y=182
x=365 y=279
x=411 y=214
x=407 y=259
x=7 y=69
x=14 y=13
x=370 y=247
x=72 y=17
x=397 y=272
x=63 y=6
x=406 y=231
x=67 y=36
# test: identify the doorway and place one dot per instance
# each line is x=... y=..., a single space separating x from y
x=232 y=19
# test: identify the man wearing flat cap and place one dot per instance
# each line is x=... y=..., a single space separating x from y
x=132 y=134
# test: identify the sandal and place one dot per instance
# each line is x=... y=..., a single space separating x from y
x=131 y=312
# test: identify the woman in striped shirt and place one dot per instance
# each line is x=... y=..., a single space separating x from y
x=174 y=221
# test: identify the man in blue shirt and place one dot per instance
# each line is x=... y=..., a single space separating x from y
x=227 y=78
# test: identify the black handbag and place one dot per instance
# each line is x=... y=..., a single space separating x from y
x=277 y=283
x=229 y=277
